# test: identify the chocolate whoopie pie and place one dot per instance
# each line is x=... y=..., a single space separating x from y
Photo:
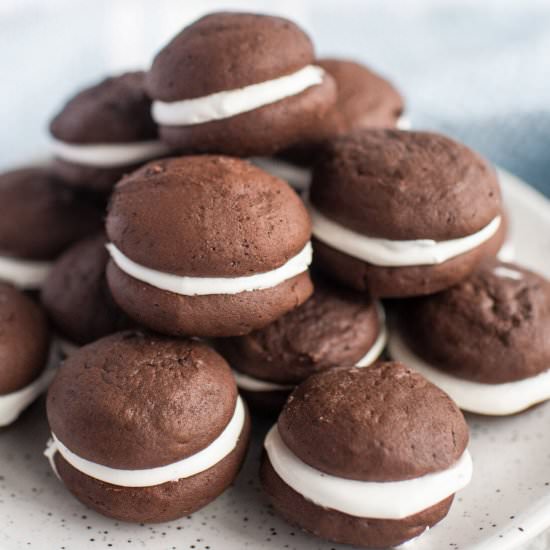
x=158 y=430
x=40 y=218
x=402 y=213
x=335 y=326
x=369 y=457
x=364 y=100
x=238 y=84
x=207 y=246
x=104 y=132
x=77 y=298
x=485 y=341
x=24 y=345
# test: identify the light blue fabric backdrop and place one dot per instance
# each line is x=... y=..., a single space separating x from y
x=479 y=71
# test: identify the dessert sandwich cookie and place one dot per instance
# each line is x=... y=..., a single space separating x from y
x=364 y=100
x=335 y=326
x=402 y=213
x=40 y=218
x=77 y=298
x=238 y=84
x=104 y=132
x=24 y=346
x=500 y=246
x=485 y=341
x=207 y=246
x=369 y=457
x=158 y=430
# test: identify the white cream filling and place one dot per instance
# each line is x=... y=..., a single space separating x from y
x=202 y=286
x=299 y=177
x=201 y=461
x=13 y=404
x=386 y=252
x=476 y=397
x=404 y=123
x=365 y=499
x=508 y=273
x=66 y=348
x=380 y=343
x=249 y=383
x=24 y=274
x=252 y=384
x=230 y=103
x=109 y=155
x=507 y=252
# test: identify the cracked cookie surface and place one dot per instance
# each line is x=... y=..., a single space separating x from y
x=493 y=327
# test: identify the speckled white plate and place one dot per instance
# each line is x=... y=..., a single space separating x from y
x=507 y=503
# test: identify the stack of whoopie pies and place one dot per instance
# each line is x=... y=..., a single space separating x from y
x=195 y=283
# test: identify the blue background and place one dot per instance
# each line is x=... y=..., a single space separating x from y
x=478 y=71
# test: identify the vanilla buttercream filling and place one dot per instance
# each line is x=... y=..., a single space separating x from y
x=66 y=347
x=24 y=274
x=109 y=155
x=508 y=273
x=252 y=384
x=393 y=253
x=365 y=499
x=13 y=404
x=507 y=252
x=299 y=177
x=202 y=286
x=403 y=123
x=230 y=103
x=201 y=461
x=477 y=397
x=380 y=343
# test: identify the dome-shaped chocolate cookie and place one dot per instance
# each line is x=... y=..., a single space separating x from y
x=208 y=246
x=240 y=84
x=366 y=456
x=146 y=402
x=402 y=213
x=115 y=110
x=77 y=297
x=488 y=334
x=335 y=326
x=105 y=131
x=41 y=217
x=24 y=340
x=24 y=345
x=363 y=413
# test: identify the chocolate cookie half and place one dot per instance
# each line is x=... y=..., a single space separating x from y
x=40 y=218
x=104 y=132
x=364 y=100
x=77 y=298
x=402 y=213
x=24 y=344
x=207 y=246
x=354 y=460
x=335 y=326
x=485 y=341
x=239 y=84
x=157 y=432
